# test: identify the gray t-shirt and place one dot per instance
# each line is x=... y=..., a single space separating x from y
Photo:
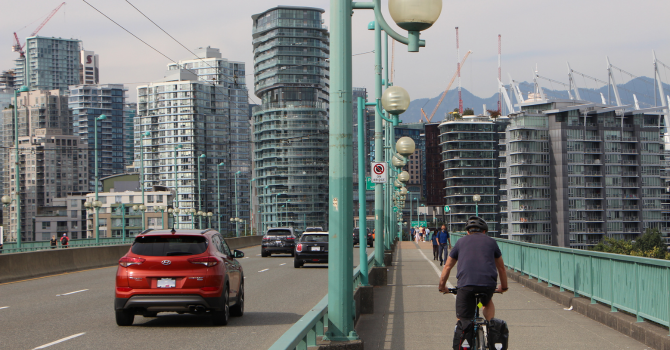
x=476 y=254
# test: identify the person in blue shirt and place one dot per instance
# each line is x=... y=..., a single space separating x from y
x=435 y=246
x=444 y=243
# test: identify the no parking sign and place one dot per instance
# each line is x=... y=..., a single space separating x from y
x=378 y=172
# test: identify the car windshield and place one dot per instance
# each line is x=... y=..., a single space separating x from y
x=171 y=245
x=279 y=233
x=314 y=238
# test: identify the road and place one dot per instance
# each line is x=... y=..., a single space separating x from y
x=38 y=312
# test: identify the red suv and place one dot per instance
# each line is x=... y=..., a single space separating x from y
x=184 y=271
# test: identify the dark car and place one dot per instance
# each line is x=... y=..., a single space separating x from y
x=278 y=240
x=184 y=271
x=370 y=240
x=311 y=248
x=314 y=229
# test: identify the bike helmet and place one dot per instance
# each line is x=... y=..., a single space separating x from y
x=476 y=222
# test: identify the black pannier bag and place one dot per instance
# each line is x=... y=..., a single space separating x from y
x=464 y=335
x=498 y=334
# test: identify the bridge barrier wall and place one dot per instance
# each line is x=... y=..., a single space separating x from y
x=20 y=266
x=633 y=284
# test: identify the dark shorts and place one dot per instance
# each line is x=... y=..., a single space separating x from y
x=465 y=300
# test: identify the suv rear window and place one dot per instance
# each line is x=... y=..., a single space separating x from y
x=279 y=232
x=314 y=238
x=169 y=245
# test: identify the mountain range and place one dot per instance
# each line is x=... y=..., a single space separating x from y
x=642 y=87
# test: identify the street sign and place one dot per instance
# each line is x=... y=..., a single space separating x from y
x=369 y=186
x=378 y=172
x=446 y=209
x=419 y=223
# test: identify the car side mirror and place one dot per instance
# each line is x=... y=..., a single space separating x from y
x=238 y=254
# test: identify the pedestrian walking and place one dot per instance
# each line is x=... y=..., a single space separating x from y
x=427 y=234
x=54 y=242
x=444 y=242
x=64 y=241
x=411 y=233
x=435 y=246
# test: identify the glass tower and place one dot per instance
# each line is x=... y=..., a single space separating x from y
x=470 y=162
x=54 y=63
x=291 y=123
x=87 y=103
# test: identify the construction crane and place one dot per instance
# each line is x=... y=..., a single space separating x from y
x=17 y=47
x=458 y=70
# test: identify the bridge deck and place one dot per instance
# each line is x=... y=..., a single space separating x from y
x=411 y=314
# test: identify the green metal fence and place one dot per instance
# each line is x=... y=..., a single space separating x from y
x=304 y=333
x=10 y=247
x=640 y=286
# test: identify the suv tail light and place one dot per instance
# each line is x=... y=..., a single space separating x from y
x=208 y=261
x=299 y=247
x=266 y=238
x=123 y=289
x=289 y=237
x=126 y=261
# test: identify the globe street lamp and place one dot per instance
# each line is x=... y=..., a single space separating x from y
x=209 y=219
x=162 y=208
x=95 y=150
x=340 y=313
x=192 y=212
x=476 y=198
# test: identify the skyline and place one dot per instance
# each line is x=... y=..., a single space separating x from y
x=227 y=25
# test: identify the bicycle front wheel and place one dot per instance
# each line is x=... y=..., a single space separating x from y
x=481 y=340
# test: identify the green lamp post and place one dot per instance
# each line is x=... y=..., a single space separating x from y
x=218 y=190
x=192 y=212
x=142 y=135
x=95 y=151
x=476 y=198
x=175 y=217
x=209 y=219
x=237 y=214
x=202 y=157
x=162 y=208
x=340 y=215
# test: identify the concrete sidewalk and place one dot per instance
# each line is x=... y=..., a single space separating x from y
x=410 y=313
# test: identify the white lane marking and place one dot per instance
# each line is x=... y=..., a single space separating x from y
x=77 y=291
x=4 y=307
x=263 y=270
x=282 y=264
x=59 y=341
x=439 y=273
x=258 y=255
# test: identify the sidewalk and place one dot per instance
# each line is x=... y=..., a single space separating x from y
x=410 y=313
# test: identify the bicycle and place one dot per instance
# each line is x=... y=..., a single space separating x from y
x=480 y=324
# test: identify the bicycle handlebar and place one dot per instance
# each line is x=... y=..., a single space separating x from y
x=455 y=291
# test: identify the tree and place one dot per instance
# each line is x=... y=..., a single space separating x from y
x=468 y=111
x=648 y=245
x=493 y=113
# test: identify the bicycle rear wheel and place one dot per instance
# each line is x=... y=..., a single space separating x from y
x=481 y=340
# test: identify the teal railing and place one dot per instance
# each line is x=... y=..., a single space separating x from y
x=633 y=284
x=304 y=333
x=10 y=247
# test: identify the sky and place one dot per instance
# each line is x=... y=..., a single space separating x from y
x=542 y=34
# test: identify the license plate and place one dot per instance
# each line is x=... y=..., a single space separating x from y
x=278 y=242
x=316 y=249
x=166 y=283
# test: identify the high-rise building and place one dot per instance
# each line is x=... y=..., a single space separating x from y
x=89 y=68
x=578 y=172
x=53 y=162
x=470 y=165
x=291 y=48
x=183 y=111
x=88 y=102
x=7 y=79
x=54 y=63
x=229 y=78
x=434 y=178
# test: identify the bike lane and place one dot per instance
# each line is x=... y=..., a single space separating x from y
x=410 y=313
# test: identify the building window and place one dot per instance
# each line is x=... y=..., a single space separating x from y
x=131 y=199
x=74 y=203
x=159 y=198
x=150 y=199
x=117 y=199
x=73 y=214
x=45 y=225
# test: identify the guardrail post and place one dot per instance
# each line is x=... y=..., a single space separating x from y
x=614 y=309
x=637 y=293
x=574 y=276
x=311 y=335
x=593 y=300
x=560 y=272
x=668 y=269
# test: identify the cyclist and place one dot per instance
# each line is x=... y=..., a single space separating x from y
x=480 y=263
